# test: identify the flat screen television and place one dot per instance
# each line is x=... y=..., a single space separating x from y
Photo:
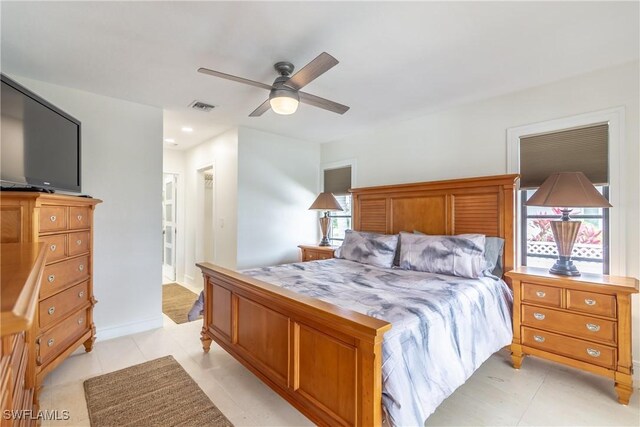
x=39 y=143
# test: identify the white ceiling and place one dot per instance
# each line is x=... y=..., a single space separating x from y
x=397 y=60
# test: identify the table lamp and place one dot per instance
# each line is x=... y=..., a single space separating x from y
x=567 y=190
x=325 y=202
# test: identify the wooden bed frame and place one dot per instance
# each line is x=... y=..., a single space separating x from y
x=326 y=360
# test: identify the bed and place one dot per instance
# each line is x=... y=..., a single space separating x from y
x=323 y=352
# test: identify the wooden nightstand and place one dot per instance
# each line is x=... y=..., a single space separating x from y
x=583 y=322
x=315 y=252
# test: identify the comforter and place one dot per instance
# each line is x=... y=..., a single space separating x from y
x=443 y=327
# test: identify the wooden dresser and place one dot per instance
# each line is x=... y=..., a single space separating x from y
x=22 y=267
x=315 y=252
x=583 y=322
x=64 y=317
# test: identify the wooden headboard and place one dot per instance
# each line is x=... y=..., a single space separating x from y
x=484 y=205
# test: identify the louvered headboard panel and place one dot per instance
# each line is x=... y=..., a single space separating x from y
x=484 y=205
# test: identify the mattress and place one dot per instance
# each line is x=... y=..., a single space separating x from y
x=443 y=327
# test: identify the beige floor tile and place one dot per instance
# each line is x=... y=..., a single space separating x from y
x=70 y=397
x=78 y=366
x=118 y=353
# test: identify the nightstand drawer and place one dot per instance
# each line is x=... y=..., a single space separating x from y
x=586 y=351
x=569 y=323
x=539 y=294
x=308 y=255
x=589 y=302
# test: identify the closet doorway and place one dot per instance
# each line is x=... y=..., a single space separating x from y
x=205 y=238
x=169 y=200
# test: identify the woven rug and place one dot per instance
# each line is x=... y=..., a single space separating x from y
x=159 y=392
x=177 y=301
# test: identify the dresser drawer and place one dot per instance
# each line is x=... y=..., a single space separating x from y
x=53 y=218
x=308 y=255
x=58 y=306
x=59 y=338
x=589 y=302
x=539 y=294
x=55 y=247
x=573 y=324
x=59 y=276
x=597 y=354
x=78 y=217
x=78 y=243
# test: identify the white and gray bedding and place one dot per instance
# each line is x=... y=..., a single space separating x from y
x=444 y=327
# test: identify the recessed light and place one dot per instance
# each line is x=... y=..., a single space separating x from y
x=169 y=140
x=187 y=129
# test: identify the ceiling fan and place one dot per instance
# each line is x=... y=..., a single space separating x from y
x=285 y=93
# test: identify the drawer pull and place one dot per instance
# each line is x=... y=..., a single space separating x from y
x=593 y=327
x=53 y=248
x=78 y=242
x=80 y=294
x=51 y=310
x=538 y=338
x=53 y=218
x=539 y=316
x=593 y=352
x=541 y=294
x=81 y=267
x=51 y=278
x=50 y=342
x=589 y=301
x=80 y=320
x=79 y=217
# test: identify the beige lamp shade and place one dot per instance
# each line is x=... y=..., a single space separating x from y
x=568 y=190
x=325 y=202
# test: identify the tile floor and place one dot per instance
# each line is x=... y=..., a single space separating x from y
x=541 y=393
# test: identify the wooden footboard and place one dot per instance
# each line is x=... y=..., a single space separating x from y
x=325 y=360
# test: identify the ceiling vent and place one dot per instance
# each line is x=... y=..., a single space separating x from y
x=201 y=106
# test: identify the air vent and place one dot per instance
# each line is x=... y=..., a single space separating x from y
x=201 y=106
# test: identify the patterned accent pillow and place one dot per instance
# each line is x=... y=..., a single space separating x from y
x=461 y=256
x=493 y=251
x=368 y=248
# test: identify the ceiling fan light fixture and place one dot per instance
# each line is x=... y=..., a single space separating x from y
x=284 y=101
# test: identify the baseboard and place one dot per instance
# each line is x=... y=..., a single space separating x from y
x=188 y=279
x=108 y=333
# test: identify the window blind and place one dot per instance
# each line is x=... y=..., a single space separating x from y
x=337 y=181
x=584 y=149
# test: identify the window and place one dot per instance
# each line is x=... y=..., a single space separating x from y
x=585 y=149
x=338 y=182
x=340 y=221
x=591 y=250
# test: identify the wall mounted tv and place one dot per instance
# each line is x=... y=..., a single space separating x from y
x=39 y=143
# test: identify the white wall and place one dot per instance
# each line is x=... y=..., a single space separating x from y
x=173 y=161
x=122 y=165
x=470 y=140
x=277 y=182
x=222 y=153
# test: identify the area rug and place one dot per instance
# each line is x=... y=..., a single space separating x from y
x=159 y=392
x=177 y=301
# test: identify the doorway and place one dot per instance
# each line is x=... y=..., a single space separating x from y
x=169 y=200
x=205 y=239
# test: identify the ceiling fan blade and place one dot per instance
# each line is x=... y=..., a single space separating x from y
x=323 y=63
x=316 y=101
x=263 y=108
x=234 y=78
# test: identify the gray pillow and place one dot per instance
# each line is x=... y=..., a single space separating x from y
x=461 y=256
x=368 y=248
x=493 y=251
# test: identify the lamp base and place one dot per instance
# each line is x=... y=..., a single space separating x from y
x=324 y=228
x=564 y=267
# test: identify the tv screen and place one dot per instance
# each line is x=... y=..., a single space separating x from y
x=40 y=144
